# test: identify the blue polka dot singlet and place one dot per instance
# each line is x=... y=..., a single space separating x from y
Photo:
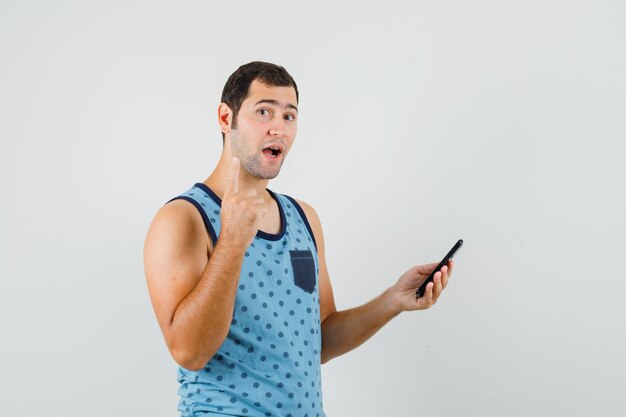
x=269 y=364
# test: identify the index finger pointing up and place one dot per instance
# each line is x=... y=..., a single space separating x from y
x=232 y=185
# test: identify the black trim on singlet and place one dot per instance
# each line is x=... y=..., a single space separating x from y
x=260 y=233
x=283 y=221
x=207 y=222
x=210 y=192
x=306 y=221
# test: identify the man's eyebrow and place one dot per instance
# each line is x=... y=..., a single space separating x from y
x=276 y=103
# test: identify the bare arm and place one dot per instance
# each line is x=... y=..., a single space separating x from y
x=193 y=295
x=347 y=329
x=202 y=319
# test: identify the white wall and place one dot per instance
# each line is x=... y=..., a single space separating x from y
x=502 y=123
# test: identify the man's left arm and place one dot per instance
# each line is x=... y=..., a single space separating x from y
x=345 y=330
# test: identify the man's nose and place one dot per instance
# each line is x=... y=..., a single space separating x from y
x=278 y=127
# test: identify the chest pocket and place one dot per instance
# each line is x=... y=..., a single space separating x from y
x=303 y=269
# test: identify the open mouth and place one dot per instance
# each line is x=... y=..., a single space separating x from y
x=272 y=152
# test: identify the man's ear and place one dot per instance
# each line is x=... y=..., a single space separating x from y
x=225 y=117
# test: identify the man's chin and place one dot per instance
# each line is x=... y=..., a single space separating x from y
x=256 y=168
x=269 y=175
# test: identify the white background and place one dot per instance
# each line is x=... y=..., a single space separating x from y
x=499 y=122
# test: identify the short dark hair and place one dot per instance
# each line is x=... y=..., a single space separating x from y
x=238 y=84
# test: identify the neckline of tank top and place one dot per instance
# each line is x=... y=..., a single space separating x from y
x=260 y=233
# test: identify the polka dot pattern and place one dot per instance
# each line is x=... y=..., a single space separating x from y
x=269 y=364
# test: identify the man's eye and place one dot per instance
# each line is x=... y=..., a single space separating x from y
x=290 y=117
x=263 y=112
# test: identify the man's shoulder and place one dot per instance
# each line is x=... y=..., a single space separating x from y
x=306 y=207
x=176 y=211
x=177 y=219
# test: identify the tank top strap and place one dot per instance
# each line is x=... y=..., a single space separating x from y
x=209 y=206
x=295 y=213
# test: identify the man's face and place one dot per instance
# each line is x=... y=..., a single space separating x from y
x=267 y=119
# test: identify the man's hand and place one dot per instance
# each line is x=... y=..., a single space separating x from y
x=402 y=294
x=241 y=211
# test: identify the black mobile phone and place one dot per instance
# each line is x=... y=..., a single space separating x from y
x=422 y=288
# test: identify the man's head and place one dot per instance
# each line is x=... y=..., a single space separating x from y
x=238 y=84
x=258 y=117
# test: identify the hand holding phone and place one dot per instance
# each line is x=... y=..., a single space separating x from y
x=422 y=288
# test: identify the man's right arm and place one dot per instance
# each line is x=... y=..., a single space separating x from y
x=193 y=296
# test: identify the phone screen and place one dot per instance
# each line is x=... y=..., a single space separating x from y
x=420 y=291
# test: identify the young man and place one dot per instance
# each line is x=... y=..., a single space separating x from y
x=237 y=274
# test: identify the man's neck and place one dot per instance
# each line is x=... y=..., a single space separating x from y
x=219 y=177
